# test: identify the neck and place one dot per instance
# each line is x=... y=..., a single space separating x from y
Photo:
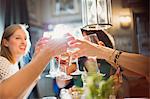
x=17 y=58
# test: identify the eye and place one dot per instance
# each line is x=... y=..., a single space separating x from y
x=25 y=38
x=18 y=38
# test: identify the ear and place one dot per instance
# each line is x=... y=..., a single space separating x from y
x=5 y=43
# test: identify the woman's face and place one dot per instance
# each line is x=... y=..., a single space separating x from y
x=17 y=43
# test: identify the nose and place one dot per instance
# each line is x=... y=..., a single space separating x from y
x=23 y=41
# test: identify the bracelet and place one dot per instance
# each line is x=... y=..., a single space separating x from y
x=117 y=57
x=110 y=57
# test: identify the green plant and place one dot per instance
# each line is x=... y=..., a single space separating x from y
x=97 y=87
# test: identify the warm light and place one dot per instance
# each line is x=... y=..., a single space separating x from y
x=125 y=21
x=60 y=30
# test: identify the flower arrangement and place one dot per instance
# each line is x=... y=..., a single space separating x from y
x=98 y=88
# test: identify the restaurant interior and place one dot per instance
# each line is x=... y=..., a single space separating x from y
x=128 y=22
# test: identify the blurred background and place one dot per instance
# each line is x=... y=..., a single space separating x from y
x=43 y=15
x=130 y=22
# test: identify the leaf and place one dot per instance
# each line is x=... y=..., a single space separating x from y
x=98 y=87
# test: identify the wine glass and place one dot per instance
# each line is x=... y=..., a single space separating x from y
x=59 y=32
x=77 y=72
x=76 y=34
x=64 y=61
x=91 y=63
x=54 y=63
x=54 y=68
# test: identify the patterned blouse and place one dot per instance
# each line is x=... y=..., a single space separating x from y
x=7 y=69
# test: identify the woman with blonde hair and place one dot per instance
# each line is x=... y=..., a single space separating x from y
x=15 y=43
x=15 y=83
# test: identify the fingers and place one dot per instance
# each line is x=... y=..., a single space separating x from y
x=69 y=38
x=60 y=49
x=101 y=43
x=75 y=43
x=57 y=42
x=68 y=34
x=43 y=39
x=41 y=42
x=78 y=54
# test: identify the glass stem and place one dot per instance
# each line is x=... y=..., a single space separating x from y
x=77 y=64
x=59 y=58
x=70 y=59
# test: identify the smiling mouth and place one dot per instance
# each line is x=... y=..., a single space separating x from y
x=23 y=49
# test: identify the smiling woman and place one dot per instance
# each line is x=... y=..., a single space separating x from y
x=15 y=43
x=15 y=38
x=13 y=46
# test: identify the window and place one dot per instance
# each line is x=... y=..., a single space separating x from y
x=64 y=7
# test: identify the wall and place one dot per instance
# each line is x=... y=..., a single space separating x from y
x=50 y=16
x=35 y=12
x=2 y=17
x=123 y=36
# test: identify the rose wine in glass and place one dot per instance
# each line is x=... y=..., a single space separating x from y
x=64 y=62
x=77 y=72
x=91 y=63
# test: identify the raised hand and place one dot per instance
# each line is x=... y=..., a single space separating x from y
x=54 y=47
x=86 y=48
x=40 y=44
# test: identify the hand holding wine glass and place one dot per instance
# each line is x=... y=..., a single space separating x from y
x=54 y=65
x=91 y=42
x=60 y=34
x=84 y=45
x=91 y=63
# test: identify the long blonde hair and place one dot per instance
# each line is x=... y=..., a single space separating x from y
x=8 y=32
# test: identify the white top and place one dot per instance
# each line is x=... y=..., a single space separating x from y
x=7 y=69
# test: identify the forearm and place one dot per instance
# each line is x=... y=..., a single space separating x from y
x=16 y=85
x=28 y=90
x=133 y=62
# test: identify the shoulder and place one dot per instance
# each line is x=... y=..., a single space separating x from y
x=4 y=63
x=6 y=68
x=3 y=60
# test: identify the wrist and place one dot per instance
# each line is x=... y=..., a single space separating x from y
x=105 y=52
x=47 y=53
